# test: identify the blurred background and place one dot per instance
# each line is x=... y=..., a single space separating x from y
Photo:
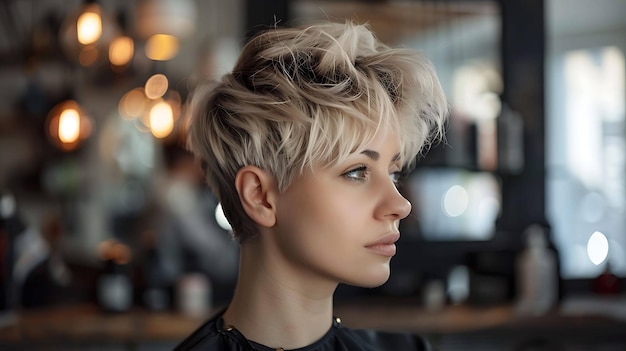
x=109 y=239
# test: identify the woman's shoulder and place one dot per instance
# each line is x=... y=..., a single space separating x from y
x=201 y=336
x=214 y=335
x=383 y=340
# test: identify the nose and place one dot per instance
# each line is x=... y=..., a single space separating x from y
x=393 y=204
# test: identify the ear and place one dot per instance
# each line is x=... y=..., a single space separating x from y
x=256 y=190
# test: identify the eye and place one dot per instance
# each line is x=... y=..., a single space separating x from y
x=358 y=174
x=395 y=177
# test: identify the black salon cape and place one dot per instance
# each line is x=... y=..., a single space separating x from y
x=214 y=336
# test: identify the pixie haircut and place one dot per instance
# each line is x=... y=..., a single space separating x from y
x=309 y=97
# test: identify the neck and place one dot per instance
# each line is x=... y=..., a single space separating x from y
x=277 y=306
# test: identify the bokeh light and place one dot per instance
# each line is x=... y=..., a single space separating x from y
x=597 y=248
x=455 y=201
x=161 y=47
x=161 y=119
x=156 y=86
x=89 y=25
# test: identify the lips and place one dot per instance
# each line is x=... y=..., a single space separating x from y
x=385 y=246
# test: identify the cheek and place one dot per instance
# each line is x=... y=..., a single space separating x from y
x=324 y=217
x=321 y=223
x=326 y=233
x=338 y=211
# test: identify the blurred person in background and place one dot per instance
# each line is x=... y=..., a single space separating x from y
x=187 y=238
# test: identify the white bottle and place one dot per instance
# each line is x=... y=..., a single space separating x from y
x=194 y=295
x=537 y=276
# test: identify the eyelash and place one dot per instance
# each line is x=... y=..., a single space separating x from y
x=395 y=176
x=351 y=174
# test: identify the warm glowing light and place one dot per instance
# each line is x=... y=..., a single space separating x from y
x=156 y=86
x=597 y=248
x=221 y=218
x=161 y=119
x=161 y=47
x=455 y=201
x=133 y=104
x=89 y=26
x=69 y=126
x=121 y=51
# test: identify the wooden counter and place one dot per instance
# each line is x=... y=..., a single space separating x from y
x=89 y=323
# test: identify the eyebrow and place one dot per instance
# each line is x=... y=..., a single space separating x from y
x=374 y=155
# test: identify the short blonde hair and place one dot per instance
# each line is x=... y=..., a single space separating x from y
x=309 y=97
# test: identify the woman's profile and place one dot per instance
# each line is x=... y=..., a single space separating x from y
x=303 y=144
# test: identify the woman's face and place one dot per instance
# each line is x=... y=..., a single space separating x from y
x=339 y=223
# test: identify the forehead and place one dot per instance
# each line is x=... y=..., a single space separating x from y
x=384 y=141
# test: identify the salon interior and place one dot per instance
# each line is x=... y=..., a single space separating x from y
x=110 y=240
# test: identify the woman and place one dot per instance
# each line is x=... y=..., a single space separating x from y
x=303 y=144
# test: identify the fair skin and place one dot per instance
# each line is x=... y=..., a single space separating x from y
x=333 y=225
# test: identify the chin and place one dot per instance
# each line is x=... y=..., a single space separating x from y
x=372 y=280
